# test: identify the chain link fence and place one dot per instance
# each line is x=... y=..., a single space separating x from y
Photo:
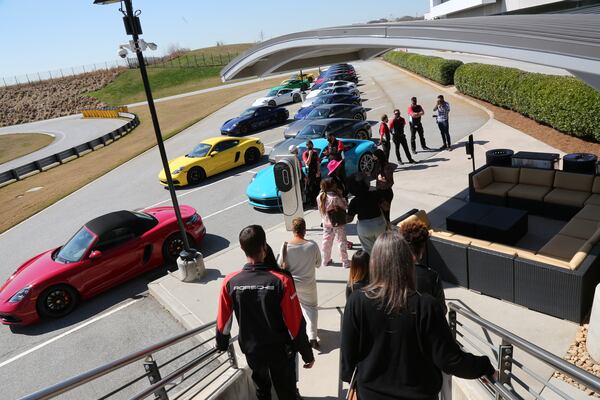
x=183 y=61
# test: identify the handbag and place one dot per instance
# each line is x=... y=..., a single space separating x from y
x=352 y=391
x=337 y=216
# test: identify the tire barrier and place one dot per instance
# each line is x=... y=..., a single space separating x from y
x=112 y=112
x=43 y=164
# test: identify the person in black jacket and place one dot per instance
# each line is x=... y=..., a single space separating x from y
x=271 y=326
x=428 y=280
x=396 y=339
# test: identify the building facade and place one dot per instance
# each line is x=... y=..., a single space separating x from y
x=473 y=8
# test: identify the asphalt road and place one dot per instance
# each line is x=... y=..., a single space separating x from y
x=67 y=131
x=125 y=326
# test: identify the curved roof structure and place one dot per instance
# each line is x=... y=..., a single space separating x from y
x=571 y=42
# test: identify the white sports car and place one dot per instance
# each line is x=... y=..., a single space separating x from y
x=279 y=96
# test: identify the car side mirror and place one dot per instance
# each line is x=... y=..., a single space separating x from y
x=94 y=255
x=213 y=153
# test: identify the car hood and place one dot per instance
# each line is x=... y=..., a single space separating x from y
x=30 y=273
x=262 y=100
x=295 y=127
x=182 y=161
x=230 y=123
x=282 y=148
x=262 y=185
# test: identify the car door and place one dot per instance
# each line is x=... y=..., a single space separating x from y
x=121 y=257
x=284 y=96
x=263 y=117
x=225 y=155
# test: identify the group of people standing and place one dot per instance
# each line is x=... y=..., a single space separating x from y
x=393 y=130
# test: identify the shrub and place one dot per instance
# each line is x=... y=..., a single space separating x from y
x=562 y=102
x=435 y=68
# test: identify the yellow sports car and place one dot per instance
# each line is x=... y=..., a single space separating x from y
x=212 y=156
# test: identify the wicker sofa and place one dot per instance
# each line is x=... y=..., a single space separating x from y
x=556 y=194
x=558 y=280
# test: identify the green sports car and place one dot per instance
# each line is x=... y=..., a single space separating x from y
x=295 y=84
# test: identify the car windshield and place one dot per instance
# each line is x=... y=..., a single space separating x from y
x=200 y=151
x=248 y=113
x=272 y=93
x=320 y=100
x=325 y=92
x=75 y=248
x=318 y=113
x=312 y=132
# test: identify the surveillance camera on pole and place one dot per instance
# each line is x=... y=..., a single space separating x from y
x=122 y=53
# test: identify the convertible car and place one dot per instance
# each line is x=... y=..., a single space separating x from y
x=279 y=95
x=255 y=118
x=212 y=156
x=358 y=155
x=104 y=253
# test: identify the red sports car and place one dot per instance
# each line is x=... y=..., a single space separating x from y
x=105 y=252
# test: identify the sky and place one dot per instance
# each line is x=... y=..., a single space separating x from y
x=41 y=35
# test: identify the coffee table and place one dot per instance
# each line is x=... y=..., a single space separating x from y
x=487 y=222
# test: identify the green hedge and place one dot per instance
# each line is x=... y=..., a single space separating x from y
x=435 y=68
x=562 y=102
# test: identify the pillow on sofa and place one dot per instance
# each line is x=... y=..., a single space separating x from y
x=538 y=177
x=483 y=178
x=573 y=181
x=506 y=174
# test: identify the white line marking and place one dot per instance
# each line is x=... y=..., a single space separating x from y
x=62 y=335
x=223 y=210
x=191 y=191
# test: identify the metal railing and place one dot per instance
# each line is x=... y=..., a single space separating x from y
x=43 y=164
x=509 y=384
x=211 y=363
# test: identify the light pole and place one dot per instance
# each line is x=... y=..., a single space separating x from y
x=133 y=28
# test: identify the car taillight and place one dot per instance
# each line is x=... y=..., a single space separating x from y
x=193 y=219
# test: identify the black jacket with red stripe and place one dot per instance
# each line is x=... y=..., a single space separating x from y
x=267 y=309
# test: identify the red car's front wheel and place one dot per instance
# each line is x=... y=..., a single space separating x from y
x=57 y=301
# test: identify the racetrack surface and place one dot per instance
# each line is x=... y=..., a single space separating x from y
x=68 y=132
x=220 y=200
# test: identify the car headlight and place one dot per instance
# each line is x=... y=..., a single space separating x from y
x=20 y=295
x=178 y=170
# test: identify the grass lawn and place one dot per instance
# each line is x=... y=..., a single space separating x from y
x=17 y=204
x=19 y=144
x=183 y=74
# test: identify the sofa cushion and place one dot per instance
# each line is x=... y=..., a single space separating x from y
x=567 y=197
x=562 y=246
x=538 y=177
x=580 y=228
x=573 y=181
x=581 y=254
x=496 y=189
x=594 y=199
x=529 y=192
x=483 y=178
x=596 y=185
x=506 y=174
x=590 y=211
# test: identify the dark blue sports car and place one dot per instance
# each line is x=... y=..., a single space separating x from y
x=253 y=119
x=328 y=99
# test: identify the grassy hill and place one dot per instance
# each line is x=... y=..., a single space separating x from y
x=191 y=71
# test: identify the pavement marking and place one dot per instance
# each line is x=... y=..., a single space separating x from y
x=62 y=335
x=274 y=141
x=192 y=191
x=373 y=109
x=223 y=210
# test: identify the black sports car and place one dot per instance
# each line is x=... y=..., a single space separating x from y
x=255 y=118
x=328 y=99
x=326 y=111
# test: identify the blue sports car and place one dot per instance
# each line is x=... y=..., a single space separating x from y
x=255 y=118
x=358 y=155
x=328 y=99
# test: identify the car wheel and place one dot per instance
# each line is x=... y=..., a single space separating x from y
x=172 y=247
x=366 y=163
x=362 y=134
x=359 y=116
x=251 y=156
x=272 y=103
x=195 y=176
x=57 y=301
x=297 y=98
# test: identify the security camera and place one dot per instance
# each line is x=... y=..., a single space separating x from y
x=122 y=53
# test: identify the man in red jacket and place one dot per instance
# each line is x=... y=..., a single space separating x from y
x=271 y=326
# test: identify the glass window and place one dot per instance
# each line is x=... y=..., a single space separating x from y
x=272 y=93
x=76 y=247
x=248 y=113
x=312 y=132
x=225 y=145
x=114 y=238
x=318 y=113
x=285 y=91
x=200 y=151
